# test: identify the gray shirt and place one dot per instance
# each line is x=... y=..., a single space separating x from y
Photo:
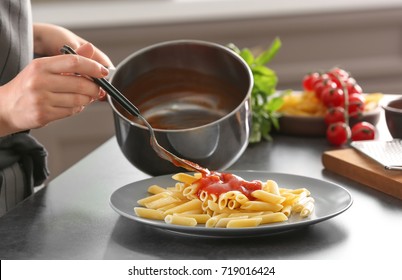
x=22 y=158
x=16 y=38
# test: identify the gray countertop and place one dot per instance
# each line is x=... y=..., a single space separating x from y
x=71 y=217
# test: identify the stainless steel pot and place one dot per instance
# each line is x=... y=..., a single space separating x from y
x=211 y=124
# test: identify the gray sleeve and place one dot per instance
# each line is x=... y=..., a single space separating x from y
x=16 y=38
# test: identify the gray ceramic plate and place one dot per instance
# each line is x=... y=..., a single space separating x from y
x=330 y=201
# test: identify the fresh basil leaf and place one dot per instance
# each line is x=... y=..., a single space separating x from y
x=275 y=120
x=264 y=100
x=270 y=53
x=263 y=71
x=275 y=103
x=265 y=84
x=247 y=55
x=255 y=135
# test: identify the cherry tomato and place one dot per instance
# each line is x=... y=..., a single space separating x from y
x=321 y=85
x=309 y=80
x=338 y=133
x=353 y=86
x=335 y=80
x=356 y=104
x=339 y=72
x=336 y=74
x=332 y=97
x=319 y=80
x=363 y=131
x=334 y=115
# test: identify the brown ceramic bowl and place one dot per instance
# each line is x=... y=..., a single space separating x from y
x=393 y=117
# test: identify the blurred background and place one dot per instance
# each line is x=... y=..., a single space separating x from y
x=362 y=36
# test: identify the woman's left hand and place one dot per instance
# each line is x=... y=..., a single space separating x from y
x=49 y=39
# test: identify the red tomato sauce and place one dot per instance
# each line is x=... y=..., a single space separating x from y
x=218 y=183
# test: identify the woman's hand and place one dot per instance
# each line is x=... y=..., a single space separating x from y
x=49 y=89
x=49 y=39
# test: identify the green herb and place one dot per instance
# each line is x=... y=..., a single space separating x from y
x=264 y=102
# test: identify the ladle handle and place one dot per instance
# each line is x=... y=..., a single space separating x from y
x=117 y=96
x=109 y=88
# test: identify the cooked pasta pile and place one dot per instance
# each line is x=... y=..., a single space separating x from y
x=223 y=200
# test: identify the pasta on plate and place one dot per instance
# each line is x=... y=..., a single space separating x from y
x=223 y=200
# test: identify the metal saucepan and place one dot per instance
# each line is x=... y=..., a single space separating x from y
x=195 y=94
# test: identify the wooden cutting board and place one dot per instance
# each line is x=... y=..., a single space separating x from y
x=356 y=166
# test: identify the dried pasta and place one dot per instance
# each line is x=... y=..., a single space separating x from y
x=223 y=200
x=307 y=104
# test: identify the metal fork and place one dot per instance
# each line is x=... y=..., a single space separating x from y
x=129 y=107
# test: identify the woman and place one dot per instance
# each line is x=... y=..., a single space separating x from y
x=35 y=92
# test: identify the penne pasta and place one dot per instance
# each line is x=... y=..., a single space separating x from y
x=204 y=196
x=200 y=218
x=186 y=178
x=155 y=189
x=209 y=212
x=224 y=221
x=233 y=204
x=213 y=197
x=230 y=194
x=243 y=223
x=226 y=198
x=298 y=191
x=204 y=205
x=214 y=220
x=248 y=214
x=268 y=197
x=298 y=207
x=273 y=218
x=261 y=206
x=272 y=187
x=215 y=208
x=187 y=206
x=187 y=203
x=287 y=210
x=179 y=187
x=151 y=198
x=154 y=204
x=169 y=206
x=149 y=213
x=223 y=203
x=195 y=211
x=241 y=198
x=307 y=209
x=178 y=195
x=179 y=220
